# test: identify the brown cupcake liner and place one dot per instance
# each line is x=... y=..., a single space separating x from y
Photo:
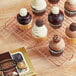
x=38 y=12
x=56 y=53
x=69 y=14
x=55 y=26
x=53 y=1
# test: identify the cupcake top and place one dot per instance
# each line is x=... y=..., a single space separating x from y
x=73 y=27
x=57 y=43
x=73 y=2
x=23 y=12
x=39 y=4
x=70 y=5
x=39 y=29
x=71 y=30
x=56 y=39
x=56 y=16
x=55 y=10
x=24 y=17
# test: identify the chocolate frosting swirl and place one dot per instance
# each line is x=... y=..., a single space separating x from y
x=56 y=39
x=24 y=19
x=56 y=19
x=73 y=27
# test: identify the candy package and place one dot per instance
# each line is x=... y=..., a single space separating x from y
x=16 y=63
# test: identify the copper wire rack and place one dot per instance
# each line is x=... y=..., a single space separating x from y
x=42 y=47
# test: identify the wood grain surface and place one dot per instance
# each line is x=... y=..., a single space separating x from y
x=9 y=8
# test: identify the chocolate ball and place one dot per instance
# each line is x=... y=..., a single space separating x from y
x=39 y=22
x=56 y=39
x=73 y=27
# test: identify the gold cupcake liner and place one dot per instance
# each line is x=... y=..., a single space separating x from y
x=25 y=27
x=40 y=39
x=71 y=40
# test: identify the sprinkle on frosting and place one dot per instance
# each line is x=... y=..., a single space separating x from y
x=55 y=10
x=72 y=1
x=23 y=12
x=39 y=22
x=73 y=27
x=56 y=38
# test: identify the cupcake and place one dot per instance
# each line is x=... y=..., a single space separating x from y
x=38 y=6
x=57 y=45
x=71 y=33
x=39 y=30
x=53 y=1
x=70 y=8
x=24 y=19
x=56 y=17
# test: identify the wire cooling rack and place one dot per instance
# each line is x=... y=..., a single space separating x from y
x=57 y=60
x=42 y=47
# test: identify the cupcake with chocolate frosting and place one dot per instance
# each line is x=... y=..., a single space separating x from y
x=71 y=33
x=57 y=45
x=56 y=17
x=38 y=7
x=39 y=30
x=24 y=19
x=70 y=8
x=53 y=1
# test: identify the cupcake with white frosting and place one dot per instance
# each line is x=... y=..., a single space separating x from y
x=39 y=30
x=38 y=6
x=24 y=19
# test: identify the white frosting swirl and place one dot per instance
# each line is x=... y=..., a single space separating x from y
x=55 y=10
x=23 y=12
x=39 y=31
x=72 y=1
x=39 y=4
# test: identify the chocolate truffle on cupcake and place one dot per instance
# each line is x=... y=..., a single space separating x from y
x=56 y=17
x=39 y=30
x=70 y=8
x=71 y=33
x=24 y=19
x=57 y=45
x=38 y=6
x=53 y=1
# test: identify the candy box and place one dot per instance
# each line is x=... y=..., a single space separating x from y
x=16 y=63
